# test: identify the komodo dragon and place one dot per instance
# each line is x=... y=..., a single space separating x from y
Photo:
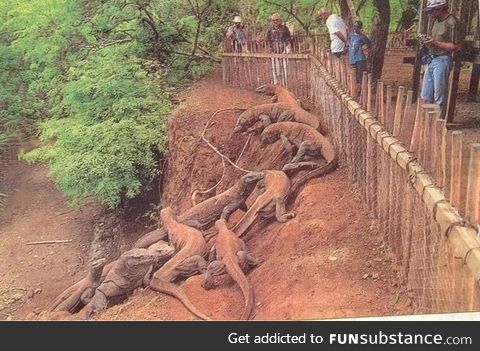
x=274 y=189
x=130 y=271
x=279 y=93
x=191 y=248
x=207 y=212
x=78 y=295
x=230 y=257
x=309 y=143
x=261 y=116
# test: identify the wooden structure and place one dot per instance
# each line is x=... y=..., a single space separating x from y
x=405 y=164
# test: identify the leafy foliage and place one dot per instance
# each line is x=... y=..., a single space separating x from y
x=95 y=78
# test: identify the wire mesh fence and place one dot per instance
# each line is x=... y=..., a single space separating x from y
x=407 y=168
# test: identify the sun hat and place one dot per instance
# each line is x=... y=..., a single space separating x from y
x=433 y=4
x=237 y=19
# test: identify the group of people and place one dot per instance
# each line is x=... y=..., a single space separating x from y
x=279 y=38
x=440 y=45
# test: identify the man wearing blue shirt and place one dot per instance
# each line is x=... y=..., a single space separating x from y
x=356 y=55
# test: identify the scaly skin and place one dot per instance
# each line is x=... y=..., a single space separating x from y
x=279 y=93
x=230 y=254
x=128 y=272
x=76 y=296
x=191 y=247
x=308 y=141
x=276 y=188
x=261 y=116
x=208 y=211
x=79 y=294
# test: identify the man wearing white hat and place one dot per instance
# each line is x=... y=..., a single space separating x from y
x=237 y=33
x=443 y=42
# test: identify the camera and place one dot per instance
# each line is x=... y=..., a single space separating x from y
x=422 y=38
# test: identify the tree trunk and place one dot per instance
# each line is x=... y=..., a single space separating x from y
x=345 y=13
x=379 y=37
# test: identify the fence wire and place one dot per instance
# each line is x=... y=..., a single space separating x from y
x=435 y=274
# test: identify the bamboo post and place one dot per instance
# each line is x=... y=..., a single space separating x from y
x=388 y=112
x=446 y=161
x=353 y=82
x=395 y=194
x=417 y=130
x=456 y=171
x=380 y=103
x=430 y=142
x=398 y=120
x=423 y=141
x=473 y=187
x=408 y=120
x=440 y=128
x=369 y=94
x=364 y=90
x=425 y=146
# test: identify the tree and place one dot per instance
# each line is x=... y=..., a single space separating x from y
x=303 y=12
x=379 y=38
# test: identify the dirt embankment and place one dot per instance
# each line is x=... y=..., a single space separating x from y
x=326 y=262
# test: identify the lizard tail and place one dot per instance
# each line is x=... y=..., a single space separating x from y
x=234 y=270
x=178 y=293
x=151 y=238
x=245 y=222
x=318 y=172
x=68 y=298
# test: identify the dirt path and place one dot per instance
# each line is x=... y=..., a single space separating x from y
x=32 y=275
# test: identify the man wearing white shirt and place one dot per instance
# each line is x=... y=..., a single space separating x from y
x=337 y=29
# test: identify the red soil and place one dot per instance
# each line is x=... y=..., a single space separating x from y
x=326 y=262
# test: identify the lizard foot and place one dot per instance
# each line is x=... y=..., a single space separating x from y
x=289 y=167
x=287 y=216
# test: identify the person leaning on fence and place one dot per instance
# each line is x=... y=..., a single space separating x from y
x=357 y=42
x=337 y=29
x=442 y=43
x=237 y=33
x=278 y=36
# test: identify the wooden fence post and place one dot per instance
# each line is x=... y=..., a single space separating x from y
x=473 y=188
x=369 y=94
x=389 y=110
x=456 y=169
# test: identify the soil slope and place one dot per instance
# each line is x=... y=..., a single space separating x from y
x=327 y=262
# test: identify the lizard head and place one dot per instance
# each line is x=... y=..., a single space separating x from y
x=220 y=224
x=98 y=265
x=244 y=121
x=162 y=250
x=252 y=177
x=239 y=126
x=266 y=89
x=136 y=258
x=268 y=136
